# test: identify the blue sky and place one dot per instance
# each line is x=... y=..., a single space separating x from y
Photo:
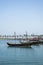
x=20 y=16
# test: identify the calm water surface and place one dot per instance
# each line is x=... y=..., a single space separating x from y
x=20 y=56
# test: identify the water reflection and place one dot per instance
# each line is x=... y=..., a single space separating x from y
x=19 y=47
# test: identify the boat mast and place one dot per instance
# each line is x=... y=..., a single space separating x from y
x=26 y=35
x=15 y=36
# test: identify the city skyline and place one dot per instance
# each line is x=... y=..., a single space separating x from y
x=20 y=16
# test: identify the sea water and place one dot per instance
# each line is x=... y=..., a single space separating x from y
x=20 y=55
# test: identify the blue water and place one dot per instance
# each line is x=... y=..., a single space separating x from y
x=20 y=56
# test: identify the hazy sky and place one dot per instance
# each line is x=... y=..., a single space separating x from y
x=20 y=16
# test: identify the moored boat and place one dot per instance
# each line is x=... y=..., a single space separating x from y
x=22 y=44
x=17 y=45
